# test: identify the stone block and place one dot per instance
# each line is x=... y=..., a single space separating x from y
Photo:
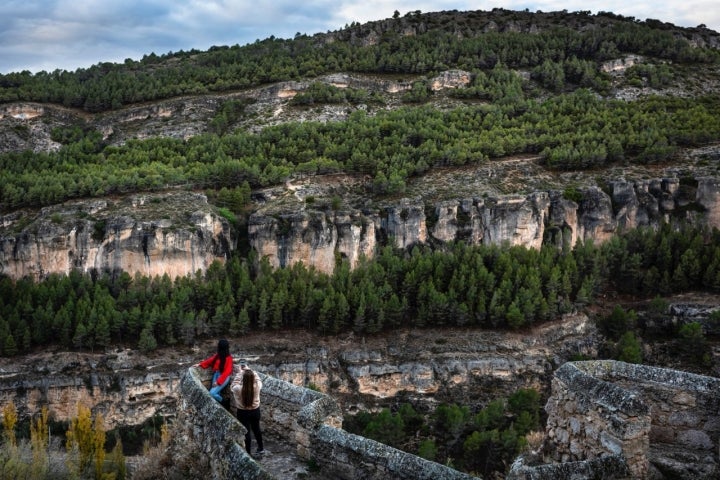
x=576 y=449
x=695 y=439
x=591 y=432
x=712 y=425
x=684 y=398
x=662 y=434
x=574 y=425
x=611 y=443
x=683 y=418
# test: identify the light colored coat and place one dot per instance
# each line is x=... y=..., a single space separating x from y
x=236 y=388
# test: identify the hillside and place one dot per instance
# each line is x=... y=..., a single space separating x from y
x=502 y=114
x=511 y=188
x=491 y=128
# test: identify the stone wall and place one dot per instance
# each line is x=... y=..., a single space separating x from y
x=661 y=423
x=220 y=435
x=349 y=456
x=589 y=418
x=298 y=416
x=609 y=467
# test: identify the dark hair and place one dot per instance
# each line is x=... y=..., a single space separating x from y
x=223 y=351
x=248 y=388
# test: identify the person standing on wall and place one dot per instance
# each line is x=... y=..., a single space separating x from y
x=222 y=366
x=246 y=388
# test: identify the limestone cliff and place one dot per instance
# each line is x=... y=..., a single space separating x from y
x=317 y=238
x=175 y=234
x=126 y=387
x=180 y=233
x=464 y=366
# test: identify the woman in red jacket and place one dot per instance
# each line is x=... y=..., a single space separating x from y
x=222 y=366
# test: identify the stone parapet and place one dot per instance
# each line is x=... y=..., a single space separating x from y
x=310 y=420
x=589 y=417
x=609 y=467
x=349 y=456
x=641 y=415
x=211 y=426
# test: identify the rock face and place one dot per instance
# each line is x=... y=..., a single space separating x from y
x=469 y=367
x=317 y=238
x=173 y=234
x=451 y=79
x=621 y=64
x=179 y=233
x=125 y=387
x=466 y=367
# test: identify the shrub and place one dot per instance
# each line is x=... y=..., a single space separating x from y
x=427 y=450
x=692 y=341
x=572 y=193
x=629 y=349
x=618 y=322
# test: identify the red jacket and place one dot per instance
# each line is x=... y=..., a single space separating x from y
x=215 y=362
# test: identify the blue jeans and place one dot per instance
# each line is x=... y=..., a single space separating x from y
x=215 y=391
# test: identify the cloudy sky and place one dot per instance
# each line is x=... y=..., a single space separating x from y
x=69 y=34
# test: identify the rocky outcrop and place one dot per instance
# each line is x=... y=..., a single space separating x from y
x=705 y=313
x=619 y=65
x=180 y=233
x=708 y=199
x=450 y=79
x=174 y=234
x=469 y=367
x=21 y=111
x=125 y=387
x=318 y=238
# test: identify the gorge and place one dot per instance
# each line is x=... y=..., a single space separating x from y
x=149 y=207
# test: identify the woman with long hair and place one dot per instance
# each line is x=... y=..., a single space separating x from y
x=246 y=390
x=222 y=366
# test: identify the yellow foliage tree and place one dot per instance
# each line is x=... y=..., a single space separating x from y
x=9 y=421
x=39 y=440
x=118 y=460
x=98 y=438
x=86 y=444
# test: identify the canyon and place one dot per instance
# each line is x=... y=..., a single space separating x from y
x=176 y=231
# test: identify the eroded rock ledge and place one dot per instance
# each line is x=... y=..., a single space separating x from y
x=179 y=233
x=467 y=366
x=317 y=238
x=152 y=234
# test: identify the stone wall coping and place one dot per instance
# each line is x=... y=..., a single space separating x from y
x=391 y=462
x=606 y=467
x=675 y=379
x=314 y=408
x=289 y=392
x=579 y=380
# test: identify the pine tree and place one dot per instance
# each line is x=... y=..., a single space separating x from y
x=147 y=341
x=514 y=316
x=102 y=333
